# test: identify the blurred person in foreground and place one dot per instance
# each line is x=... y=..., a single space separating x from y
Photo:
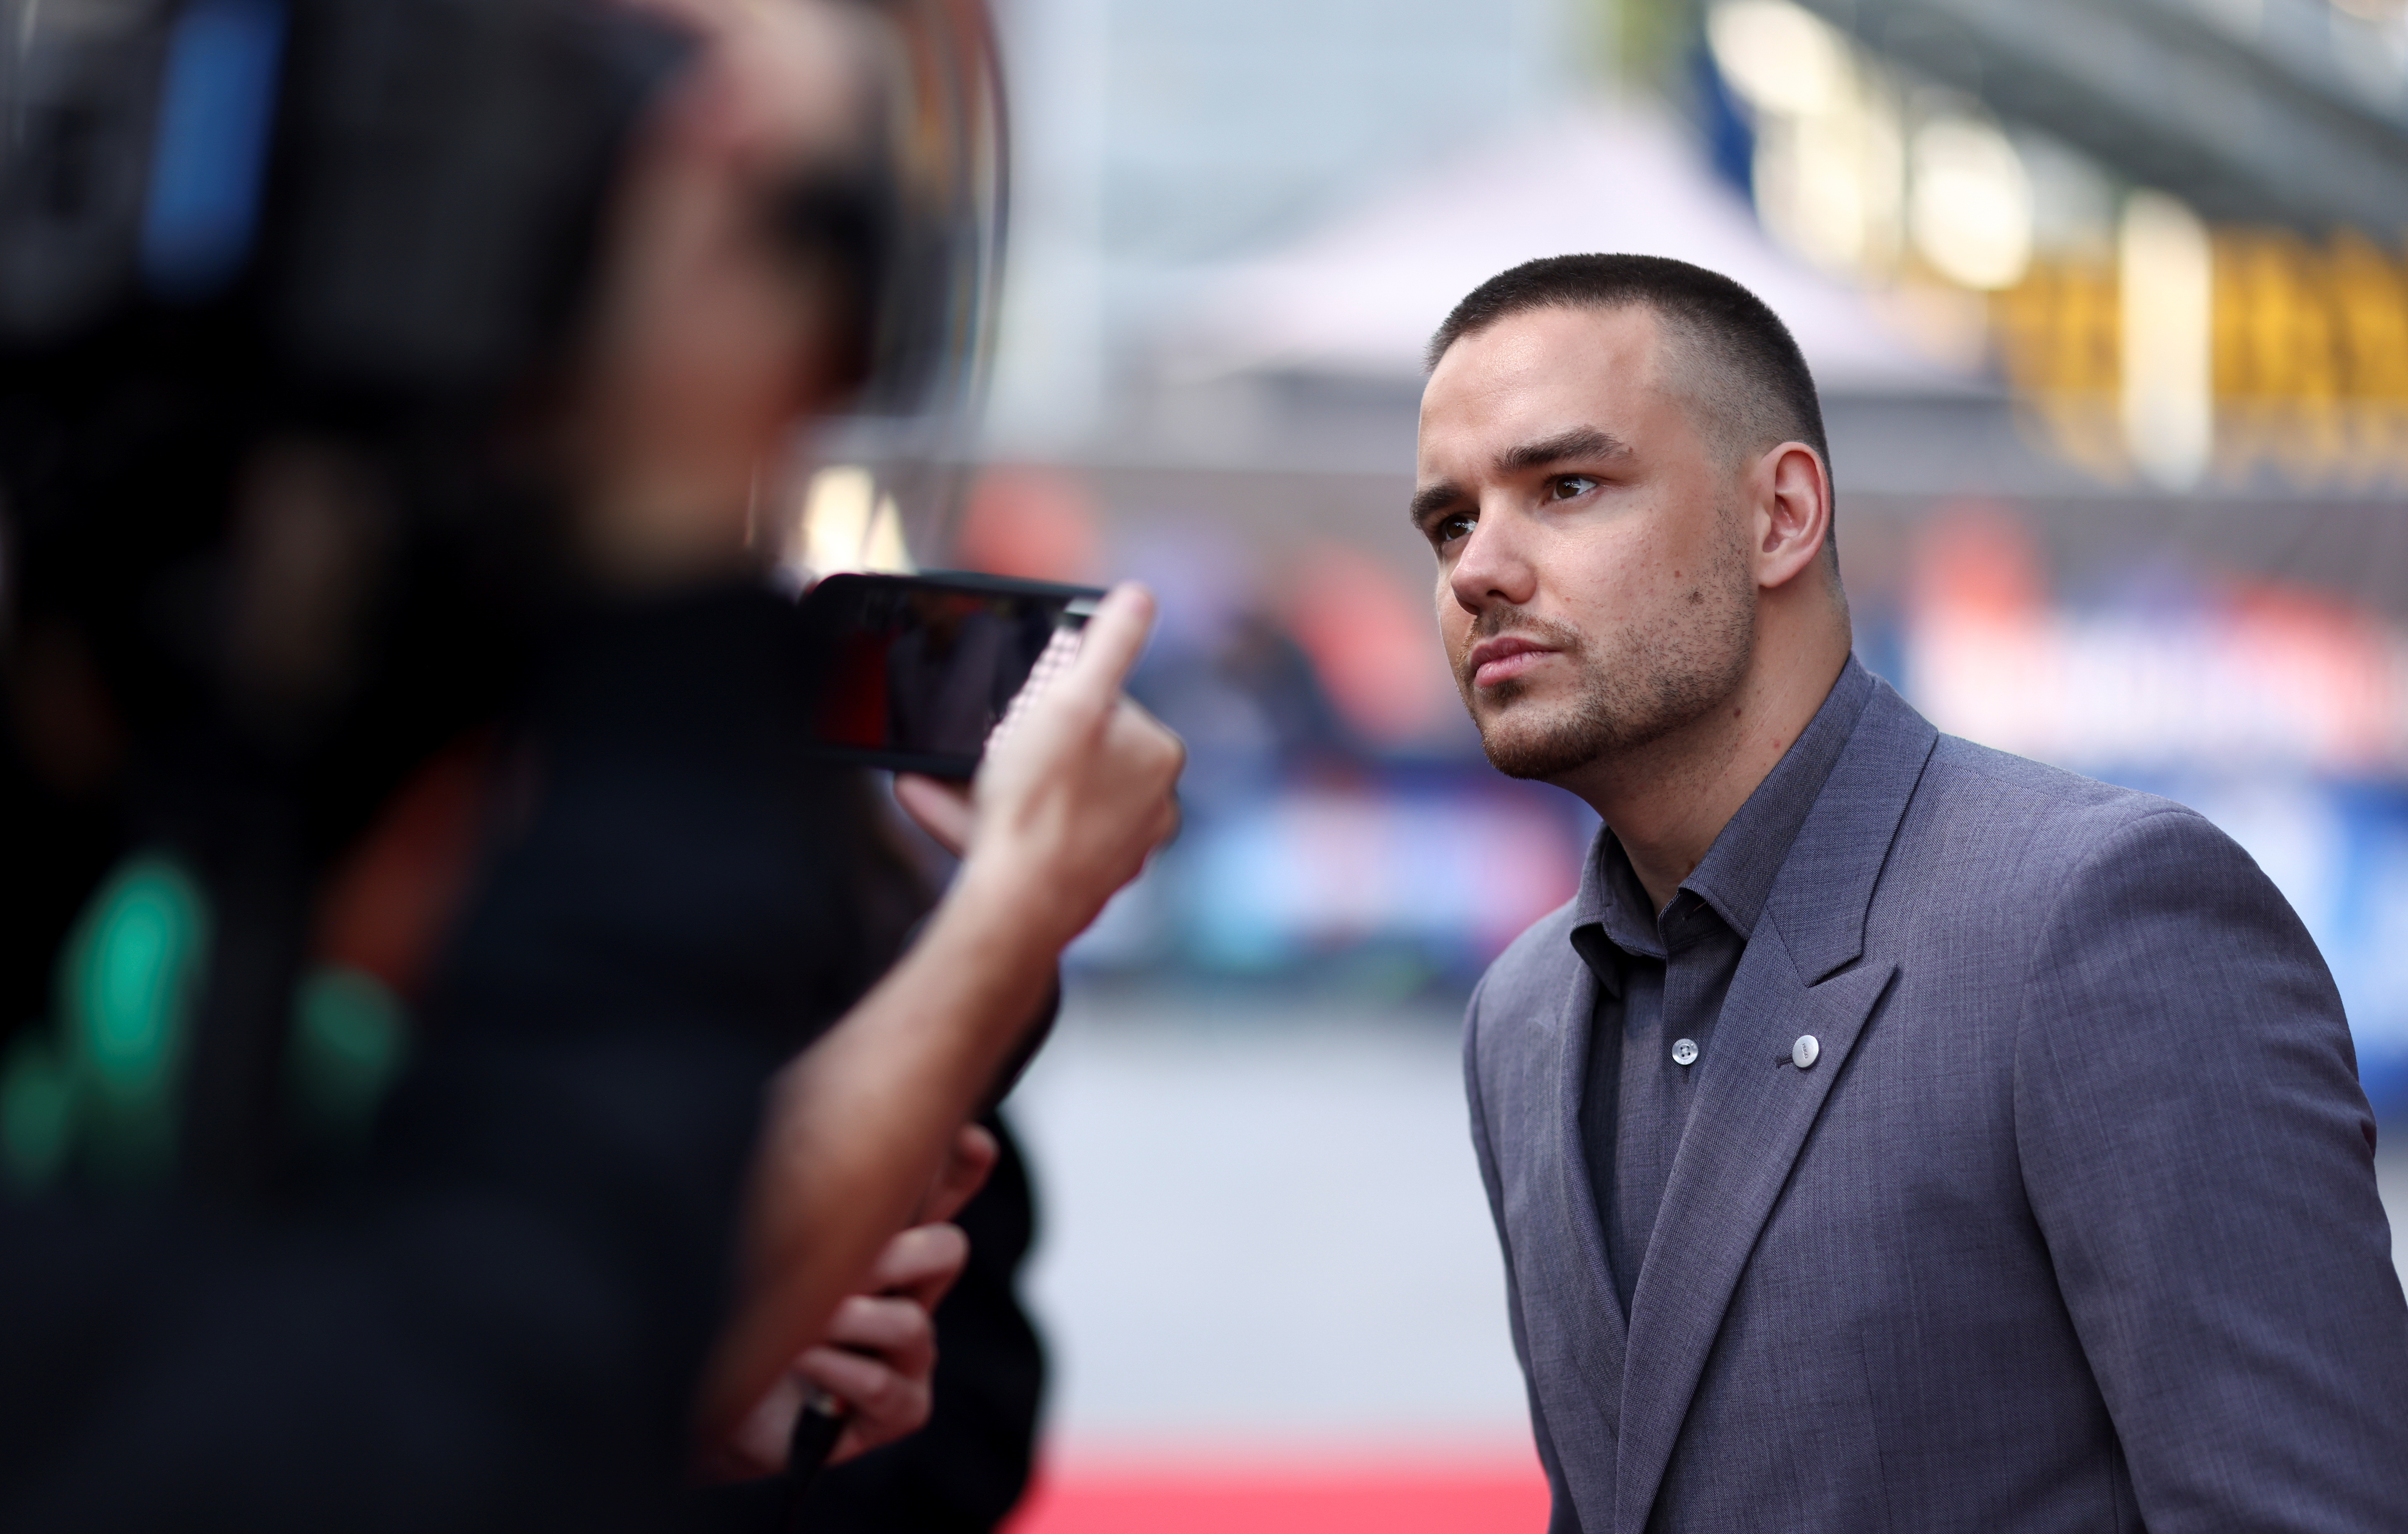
x=1892 y=1133
x=307 y=717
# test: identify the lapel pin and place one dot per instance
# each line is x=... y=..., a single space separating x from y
x=1805 y=1052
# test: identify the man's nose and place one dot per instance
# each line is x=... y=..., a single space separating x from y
x=1495 y=566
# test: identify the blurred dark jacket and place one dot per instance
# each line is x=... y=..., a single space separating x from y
x=965 y=1470
x=2069 y=1223
x=499 y=1324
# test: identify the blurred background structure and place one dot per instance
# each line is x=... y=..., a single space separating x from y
x=2109 y=303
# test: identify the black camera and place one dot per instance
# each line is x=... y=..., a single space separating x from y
x=383 y=196
x=282 y=283
x=398 y=195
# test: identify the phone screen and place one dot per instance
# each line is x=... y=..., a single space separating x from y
x=914 y=671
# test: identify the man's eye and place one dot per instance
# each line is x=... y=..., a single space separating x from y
x=1565 y=487
x=1448 y=529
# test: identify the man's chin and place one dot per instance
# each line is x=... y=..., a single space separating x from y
x=1523 y=739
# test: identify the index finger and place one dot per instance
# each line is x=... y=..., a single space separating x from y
x=1110 y=643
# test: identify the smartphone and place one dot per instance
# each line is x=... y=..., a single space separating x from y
x=915 y=671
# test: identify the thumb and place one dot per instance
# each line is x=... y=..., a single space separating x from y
x=941 y=809
x=973 y=1158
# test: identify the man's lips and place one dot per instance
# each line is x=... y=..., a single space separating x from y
x=1503 y=658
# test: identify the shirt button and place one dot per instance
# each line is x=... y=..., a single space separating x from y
x=1805 y=1052
x=1684 y=1052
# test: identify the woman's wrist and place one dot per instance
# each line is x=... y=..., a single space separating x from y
x=998 y=902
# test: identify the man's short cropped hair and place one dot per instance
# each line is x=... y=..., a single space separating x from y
x=1745 y=371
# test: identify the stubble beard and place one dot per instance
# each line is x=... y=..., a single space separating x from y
x=1649 y=685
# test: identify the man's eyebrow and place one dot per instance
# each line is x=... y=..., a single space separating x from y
x=1431 y=499
x=1579 y=442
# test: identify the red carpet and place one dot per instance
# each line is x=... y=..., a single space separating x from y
x=1493 y=1497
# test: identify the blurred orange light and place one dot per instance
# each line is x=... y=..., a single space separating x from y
x=1975 y=561
x=1035 y=523
x=1375 y=646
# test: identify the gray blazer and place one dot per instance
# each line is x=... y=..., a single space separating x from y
x=2071 y=1224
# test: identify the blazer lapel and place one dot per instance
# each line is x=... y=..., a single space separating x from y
x=1724 y=1184
x=1572 y=1315
x=1800 y=975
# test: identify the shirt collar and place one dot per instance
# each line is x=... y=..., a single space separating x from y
x=1736 y=876
x=1609 y=916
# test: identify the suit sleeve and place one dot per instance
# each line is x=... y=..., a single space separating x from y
x=2200 y=1157
x=1565 y=1517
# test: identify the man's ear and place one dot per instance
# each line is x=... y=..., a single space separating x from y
x=1793 y=512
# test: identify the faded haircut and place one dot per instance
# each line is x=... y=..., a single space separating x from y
x=1732 y=354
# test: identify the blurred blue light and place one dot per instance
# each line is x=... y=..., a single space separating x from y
x=210 y=156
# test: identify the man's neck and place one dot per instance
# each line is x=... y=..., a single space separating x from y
x=1668 y=801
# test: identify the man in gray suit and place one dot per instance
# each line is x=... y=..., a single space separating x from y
x=1893 y=1134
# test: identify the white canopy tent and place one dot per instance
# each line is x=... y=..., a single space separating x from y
x=1360 y=296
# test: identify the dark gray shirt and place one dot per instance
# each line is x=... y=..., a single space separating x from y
x=1661 y=978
